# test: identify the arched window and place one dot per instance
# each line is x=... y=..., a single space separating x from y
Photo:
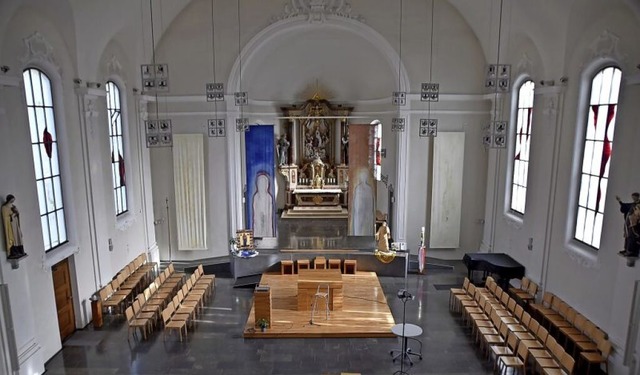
x=521 y=147
x=598 y=146
x=44 y=146
x=114 y=109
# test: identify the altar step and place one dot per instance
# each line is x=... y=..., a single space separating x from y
x=316 y=213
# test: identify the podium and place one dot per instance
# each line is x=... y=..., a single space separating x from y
x=262 y=303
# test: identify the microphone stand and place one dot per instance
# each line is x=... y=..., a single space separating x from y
x=403 y=347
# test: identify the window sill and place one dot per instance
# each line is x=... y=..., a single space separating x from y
x=515 y=221
x=584 y=255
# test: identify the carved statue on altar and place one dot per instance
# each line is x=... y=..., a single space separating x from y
x=317 y=173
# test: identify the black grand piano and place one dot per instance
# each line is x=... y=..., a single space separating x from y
x=499 y=264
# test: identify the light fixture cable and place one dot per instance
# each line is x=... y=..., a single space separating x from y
x=240 y=61
x=431 y=56
x=213 y=52
x=153 y=50
x=495 y=101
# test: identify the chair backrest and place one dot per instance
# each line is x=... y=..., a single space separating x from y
x=555 y=303
x=147 y=293
x=184 y=290
x=571 y=315
x=605 y=348
x=504 y=300
x=323 y=289
x=525 y=283
x=526 y=317
x=136 y=306
x=567 y=362
x=180 y=295
x=162 y=278
x=171 y=268
x=104 y=292
x=512 y=341
x=543 y=334
x=166 y=315
x=511 y=305
x=129 y=313
x=532 y=288
x=533 y=326
x=579 y=322
x=523 y=353
x=176 y=301
x=504 y=331
x=141 y=300
x=558 y=351
x=201 y=269
x=189 y=284
x=547 y=299
x=518 y=312
x=153 y=288
x=114 y=285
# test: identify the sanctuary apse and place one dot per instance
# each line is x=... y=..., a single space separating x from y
x=315 y=166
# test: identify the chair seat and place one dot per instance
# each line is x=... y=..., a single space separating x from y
x=548 y=363
x=593 y=357
x=540 y=353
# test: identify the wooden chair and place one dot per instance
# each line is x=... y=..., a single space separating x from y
x=350 y=266
x=302 y=264
x=517 y=362
x=457 y=291
x=567 y=364
x=173 y=325
x=149 y=317
x=135 y=324
x=504 y=350
x=599 y=357
x=286 y=267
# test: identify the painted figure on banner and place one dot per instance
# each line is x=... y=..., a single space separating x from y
x=12 y=231
x=382 y=237
x=362 y=205
x=282 y=149
x=631 y=213
x=262 y=204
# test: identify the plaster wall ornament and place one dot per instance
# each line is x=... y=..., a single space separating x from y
x=550 y=108
x=38 y=49
x=525 y=65
x=316 y=11
x=113 y=66
x=607 y=45
x=142 y=111
x=125 y=223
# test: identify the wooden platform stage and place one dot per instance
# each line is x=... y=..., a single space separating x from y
x=365 y=312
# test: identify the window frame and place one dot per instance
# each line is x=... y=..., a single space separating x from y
x=516 y=109
x=40 y=174
x=121 y=201
x=584 y=113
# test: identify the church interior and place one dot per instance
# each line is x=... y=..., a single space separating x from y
x=142 y=138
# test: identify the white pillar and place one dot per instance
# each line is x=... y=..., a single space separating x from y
x=295 y=138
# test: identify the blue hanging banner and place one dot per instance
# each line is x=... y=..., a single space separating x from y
x=260 y=167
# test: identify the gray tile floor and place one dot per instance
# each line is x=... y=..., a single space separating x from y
x=217 y=347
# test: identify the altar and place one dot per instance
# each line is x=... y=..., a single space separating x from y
x=315 y=162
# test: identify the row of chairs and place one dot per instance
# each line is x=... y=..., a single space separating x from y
x=526 y=292
x=116 y=295
x=576 y=331
x=350 y=265
x=506 y=333
x=188 y=303
x=144 y=312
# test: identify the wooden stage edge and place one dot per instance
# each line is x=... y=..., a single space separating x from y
x=364 y=314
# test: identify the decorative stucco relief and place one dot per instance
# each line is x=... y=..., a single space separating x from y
x=316 y=11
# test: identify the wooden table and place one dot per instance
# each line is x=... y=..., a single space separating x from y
x=308 y=281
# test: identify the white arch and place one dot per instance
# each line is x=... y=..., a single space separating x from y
x=294 y=24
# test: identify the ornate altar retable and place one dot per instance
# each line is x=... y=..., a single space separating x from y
x=317 y=174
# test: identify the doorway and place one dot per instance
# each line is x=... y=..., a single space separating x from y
x=64 y=298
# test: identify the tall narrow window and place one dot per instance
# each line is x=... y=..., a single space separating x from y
x=521 y=149
x=114 y=110
x=44 y=146
x=598 y=145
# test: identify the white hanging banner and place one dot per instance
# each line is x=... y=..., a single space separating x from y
x=189 y=182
